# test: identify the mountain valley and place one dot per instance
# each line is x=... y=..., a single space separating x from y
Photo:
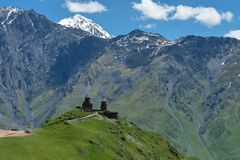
x=187 y=89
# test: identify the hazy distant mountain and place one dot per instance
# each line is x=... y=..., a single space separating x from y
x=83 y=23
x=188 y=89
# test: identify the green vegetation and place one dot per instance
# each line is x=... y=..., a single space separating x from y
x=151 y=112
x=90 y=139
x=148 y=102
x=41 y=99
x=67 y=116
x=21 y=101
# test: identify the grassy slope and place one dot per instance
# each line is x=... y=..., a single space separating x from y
x=150 y=113
x=223 y=131
x=91 y=139
x=148 y=108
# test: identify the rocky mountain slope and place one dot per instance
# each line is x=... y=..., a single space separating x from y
x=184 y=89
x=94 y=138
x=37 y=58
x=187 y=89
x=80 y=22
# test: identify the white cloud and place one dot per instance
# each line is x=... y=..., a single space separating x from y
x=228 y=16
x=148 y=26
x=183 y=13
x=208 y=16
x=233 y=34
x=152 y=10
x=84 y=7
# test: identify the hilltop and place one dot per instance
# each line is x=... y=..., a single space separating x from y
x=96 y=137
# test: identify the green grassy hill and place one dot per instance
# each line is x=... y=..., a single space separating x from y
x=93 y=138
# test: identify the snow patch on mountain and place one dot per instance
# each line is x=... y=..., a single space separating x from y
x=83 y=23
x=144 y=40
x=8 y=15
x=10 y=9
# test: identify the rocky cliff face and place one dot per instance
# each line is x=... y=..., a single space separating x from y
x=187 y=89
x=37 y=57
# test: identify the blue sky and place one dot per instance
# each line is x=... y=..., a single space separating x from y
x=170 y=18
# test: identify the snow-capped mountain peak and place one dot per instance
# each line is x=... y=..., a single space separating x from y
x=80 y=22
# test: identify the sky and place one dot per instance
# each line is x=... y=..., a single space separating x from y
x=172 y=19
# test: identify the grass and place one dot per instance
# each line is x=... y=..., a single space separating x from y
x=91 y=139
x=76 y=113
x=150 y=111
x=41 y=99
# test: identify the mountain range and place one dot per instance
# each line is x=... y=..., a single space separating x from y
x=186 y=89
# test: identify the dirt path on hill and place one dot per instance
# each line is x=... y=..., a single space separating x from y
x=82 y=118
x=9 y=133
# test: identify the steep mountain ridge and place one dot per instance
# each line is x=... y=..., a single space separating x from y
x=33 y=53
